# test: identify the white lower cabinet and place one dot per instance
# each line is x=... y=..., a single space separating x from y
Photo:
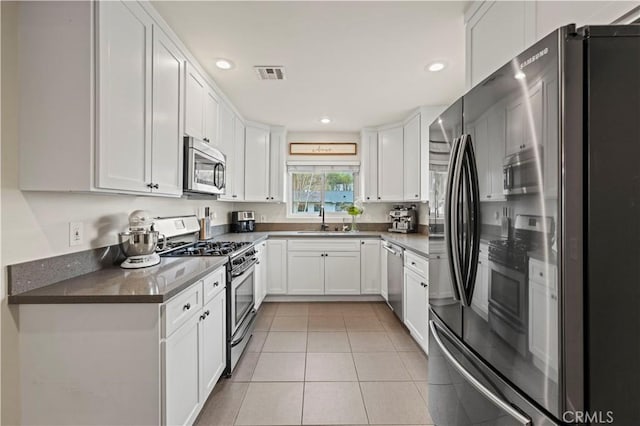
x=543 y=315
x=276 y=267
x=195 y=350
x=416 y=307
x=260 y=273
x=370 y=271
x=182 y=374
x=305 y=273
x=342 y=272
x=480 y=301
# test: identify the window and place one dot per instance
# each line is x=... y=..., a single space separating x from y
x=334 y=189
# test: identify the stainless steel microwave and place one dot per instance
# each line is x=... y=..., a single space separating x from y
x=521 y=172
x=204 y=169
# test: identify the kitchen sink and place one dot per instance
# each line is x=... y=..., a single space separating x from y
x=322 y=232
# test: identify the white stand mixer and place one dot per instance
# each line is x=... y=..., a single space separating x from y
x=140 y=242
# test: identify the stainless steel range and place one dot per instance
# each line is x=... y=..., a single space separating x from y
x=182 y=241
x=509 y=281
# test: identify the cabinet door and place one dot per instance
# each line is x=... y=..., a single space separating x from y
x=277 y=144
x=305 y=272
x=384 y=281
x=124 y=97
x=551 y=146
x=481 y=291
x=533 y=127
x=543 y=325
x=480 y=139
x=342 y=272
x=211 y=113
x=256 y=185
x=412 y=159
x=370 y=267
x=515 y=127
x=182 y=374
x=263 y=275
x=238 y=154
x=226 y=142
x=390 y=165
x=258 y=281
x=213 y=349
x=369 y=149
x=168 y=97
x=276 y=266
x=496 y=132
x=439 y=277
x=416 y=309
x=194 y=103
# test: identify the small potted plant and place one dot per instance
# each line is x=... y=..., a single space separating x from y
x=354 y=210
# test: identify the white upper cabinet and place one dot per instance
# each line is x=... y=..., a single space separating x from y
x=238 y=160
x=256 y=161
x=201 y=108
x=369 y=169
x=390 y=164
x=194 y=103
x=124 y=97
x=277 y=146
x=168 y=100
x=227 y=146
x=412 y=159
x=496 y=31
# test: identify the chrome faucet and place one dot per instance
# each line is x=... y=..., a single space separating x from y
x=324 y=226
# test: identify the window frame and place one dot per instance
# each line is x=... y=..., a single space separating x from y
x=313 y=216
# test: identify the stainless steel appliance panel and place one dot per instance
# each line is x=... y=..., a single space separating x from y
x=204 y=168
x=395 y=276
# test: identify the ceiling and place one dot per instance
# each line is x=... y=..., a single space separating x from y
x=359 y=63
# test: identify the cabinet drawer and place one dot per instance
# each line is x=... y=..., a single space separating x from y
x=416 y=263
x=214 y=283
x=325 y=244
x=179 y=309
x=542 y=275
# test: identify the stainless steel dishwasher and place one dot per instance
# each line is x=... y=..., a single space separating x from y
x=395 y=277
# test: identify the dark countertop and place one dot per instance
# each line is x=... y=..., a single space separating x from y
x=156 y=284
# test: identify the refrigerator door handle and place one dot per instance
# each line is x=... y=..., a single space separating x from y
x=449 y=229
x=454 y=216
x=473 y=235
x=504 y=405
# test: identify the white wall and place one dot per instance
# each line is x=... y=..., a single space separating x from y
x=35 y=225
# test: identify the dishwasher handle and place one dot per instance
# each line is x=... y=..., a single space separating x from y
x=391 y=250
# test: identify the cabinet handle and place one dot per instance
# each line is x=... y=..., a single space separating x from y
x=368 y=198
x=437 y=257
x=258 y=262
x=205 y=139
x=541 y=274
x=413 y=263
x=479 y=262
x=361 y=242
x=216 y=284
x=379 y=198
x=488 y=195
x=554 y=297
x=149 y=185
x=206 y=313
x=416 y=195
x=202 y=317
x=423 y=285
x=186 y=307
x=234 y=196
x=156 y=186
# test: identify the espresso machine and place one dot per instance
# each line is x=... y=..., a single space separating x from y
x=404 y=219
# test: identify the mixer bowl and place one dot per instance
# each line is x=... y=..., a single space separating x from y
x=139 y=243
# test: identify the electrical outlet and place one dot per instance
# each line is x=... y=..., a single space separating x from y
x=263 y=218
x=76 y=233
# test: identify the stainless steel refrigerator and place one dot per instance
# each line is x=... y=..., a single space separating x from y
x=535 y=176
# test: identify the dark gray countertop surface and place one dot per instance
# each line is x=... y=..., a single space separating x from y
x=158 y=284
x=155 y=284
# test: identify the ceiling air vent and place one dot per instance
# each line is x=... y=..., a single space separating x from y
x=270 y=72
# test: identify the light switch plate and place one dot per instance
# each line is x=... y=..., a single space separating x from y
x=76 y=233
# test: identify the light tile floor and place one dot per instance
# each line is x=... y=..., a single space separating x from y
x=324 y=364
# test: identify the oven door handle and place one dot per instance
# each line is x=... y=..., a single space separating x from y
x=244 y=271
x=246 y=330
x=486 y=392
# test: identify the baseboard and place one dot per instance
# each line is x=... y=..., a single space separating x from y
x=359 y=298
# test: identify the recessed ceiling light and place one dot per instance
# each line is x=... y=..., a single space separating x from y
x=436 y=66
x=224 y=64
x=325 y=120
x=519 y=75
